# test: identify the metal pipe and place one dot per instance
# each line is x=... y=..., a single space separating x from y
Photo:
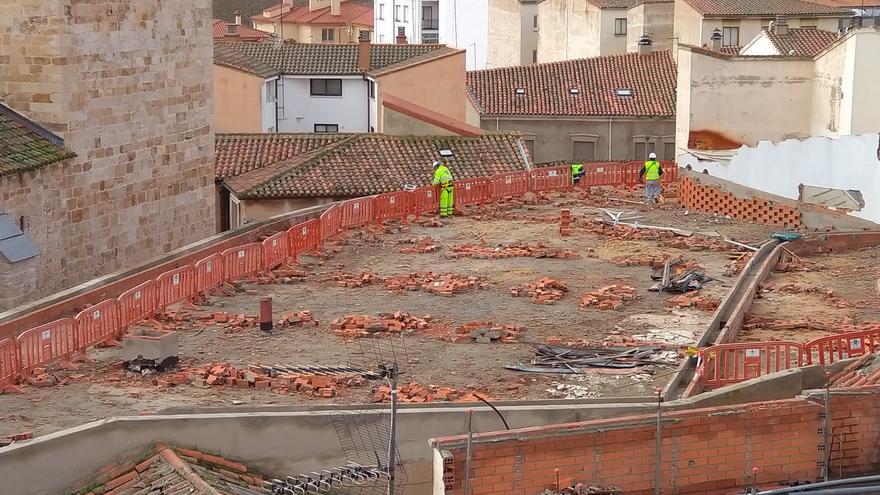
x=467 y=455
x=855 y=490
x=824 y=484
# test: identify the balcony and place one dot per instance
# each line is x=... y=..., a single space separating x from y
x=430 y=24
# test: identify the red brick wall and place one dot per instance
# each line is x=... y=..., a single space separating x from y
x=711 y=199
x=704 y=451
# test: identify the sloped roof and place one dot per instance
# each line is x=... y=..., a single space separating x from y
x=801 y=42
x=235 y=154
x=763 y=8
x=25 y=145
x=624 y=4
x=365 y=164
x=244 y=33
x=226 y=55
x=349 y=13
x=546 y=89
x=322 y=59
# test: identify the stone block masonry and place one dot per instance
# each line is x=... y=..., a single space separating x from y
x=703 y=451
x=123 y=83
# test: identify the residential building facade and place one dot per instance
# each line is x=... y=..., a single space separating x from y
x=122 y=87
x=529 y=26
x=618 y=107
x=235 y=31
x=320 y=21
x=292 y=87
x=738 y=22
x=592 y=28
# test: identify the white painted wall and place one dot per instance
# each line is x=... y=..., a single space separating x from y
x=385 y=29
x=465 y=24
x=302 y=111
x=760 y=46
x=849 y=162
x=374 y=107
x=267 y=113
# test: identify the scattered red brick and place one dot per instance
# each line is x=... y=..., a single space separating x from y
x=18 y=437
x=419 y=245
x=296 y=319
x=693 y=299
x=649 y=260
x=799 y=265
x=482 y=331
x=482 y=251
x=415 y=393
x=843 y=325
x=736 y=266
x=435 y=283
x=565 y=222
x=345 y=280
x=225 y=374
x=545 y=291
x=609 y=297
x=355 y=326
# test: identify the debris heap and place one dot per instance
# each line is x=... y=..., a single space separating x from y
x=482 y=251
x=415 y=393
x=609 y=297
x=419 y=245
x=545 y=291
x=355 y=326
x=693 y=300
x=435 y=283
x=485 y=332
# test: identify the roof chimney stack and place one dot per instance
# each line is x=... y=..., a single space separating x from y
x=238 y=18
x=335 y=7
x=855 y=22
x=401 y=35
x=780 y=26
x=716 y=39
x=231 y=29
x=645 y=44
x=364 y=51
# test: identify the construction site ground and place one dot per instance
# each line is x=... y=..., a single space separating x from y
x=101 y=389
x=816 y=296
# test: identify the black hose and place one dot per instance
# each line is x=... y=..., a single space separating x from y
x=494 y=409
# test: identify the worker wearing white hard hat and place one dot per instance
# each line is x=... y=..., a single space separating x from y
x=650 y=173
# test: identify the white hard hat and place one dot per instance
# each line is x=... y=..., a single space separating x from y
x=436 y=164
x=652 y=156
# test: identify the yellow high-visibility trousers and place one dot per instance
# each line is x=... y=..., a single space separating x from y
x=446 y=200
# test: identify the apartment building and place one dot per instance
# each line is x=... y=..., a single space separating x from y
x=319 y=21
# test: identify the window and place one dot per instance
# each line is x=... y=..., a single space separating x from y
x=535 y=22
x=381 y=11
x=326 y=87
x=381 y=38
x=371 y=89
x=669 y=151
x=328 y=35
x=406 y=13
x=234 y=212
x=643 y=149
x=326 y=127
x=397 y=13
x=584 y=151
x=620 y=26
x=730 y=36
x=534 y=56
x=429 y=20
x=270 y=91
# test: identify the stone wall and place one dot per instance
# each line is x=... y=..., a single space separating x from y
x=127 y=85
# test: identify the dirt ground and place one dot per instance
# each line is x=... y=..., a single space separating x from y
x=100 y=390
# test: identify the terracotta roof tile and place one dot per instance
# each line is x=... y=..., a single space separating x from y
x=763 y=8
x=226 y=55
x=348 y=13
x=220 y=30
x=25 y=145
x=365 y=164
x=545 y=89
x=801 y=42
x=624 y=4
x=323 y=59
x=235 y=154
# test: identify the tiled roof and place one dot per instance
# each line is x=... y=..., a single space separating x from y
x=178 y=471
x=763 y=8
x=546 y=89
x=364 y=164
x=801 y=42
x=227 y=55
x=730 y=50
x=323 y=59
x=624 y=4
x=243 y=33
x=235 y=154
x=225 y=9
x=24 y=145
x=349 y=12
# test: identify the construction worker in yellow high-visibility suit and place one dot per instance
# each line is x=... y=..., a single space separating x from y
x=443 y=178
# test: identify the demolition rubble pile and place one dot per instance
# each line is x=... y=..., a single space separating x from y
x=355 y=326
x=609 y=297
x=484 y=332
x=545 y=291
x=415 y=393
x=446 y=284
x=570 y=360
x=236 y=322
x=482 y=251
x=693 y=300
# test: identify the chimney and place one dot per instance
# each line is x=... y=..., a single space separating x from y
x=335 y=7
x=855 y=22
x=238 y=18
x=780 y=26
x=231 y=29
x=364 y=51
x=401 y=35
x=645 y=44
x=716 y=39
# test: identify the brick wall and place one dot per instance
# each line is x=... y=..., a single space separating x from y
x=704 y=451
x=711 y=199
x=127 y=85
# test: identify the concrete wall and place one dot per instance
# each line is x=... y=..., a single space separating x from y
x=445 y=77
x=553 y=136
x=688 y=24
x=124 y=84
x=866 y=73
x=505 y=34
x=528 y=33
x=257 y=210
x=302 y=111
x=569 y=29
x=238 y=101
x=656 y=19
x=850 y=162
x=400 y=124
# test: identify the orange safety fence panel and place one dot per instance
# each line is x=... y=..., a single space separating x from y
x=305 y=236
x=509 y=184
x=138 y=304
x=356 y=212
x=733 y=363
x=9 y=367
x=426 y=199
x=829 y=350
x=209 y=273
x=546 y=179
x=392 y=205
x=600 y=174
x=331 y=222
x=275 y=250
x=242 y=261
x=97 y=324
x=474 y=191
x=45 y=344
x=176 y=285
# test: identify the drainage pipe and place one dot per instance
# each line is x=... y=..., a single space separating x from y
x=824 y=484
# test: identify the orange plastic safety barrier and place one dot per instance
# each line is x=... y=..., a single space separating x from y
x=176 y=285
x=45 y=344
x=331 y=222
x=509 y=184
x=304 y=237
x=9 y=367
x=356 y=212
x=392 y=205
x=475 y=191
x=275 y=250
x=137 y=304
x=550 y=178
x=97 y=324
x=425 y=200
x=209 y=273
x=242 y=261
x=828 y=350
x=733 y=363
